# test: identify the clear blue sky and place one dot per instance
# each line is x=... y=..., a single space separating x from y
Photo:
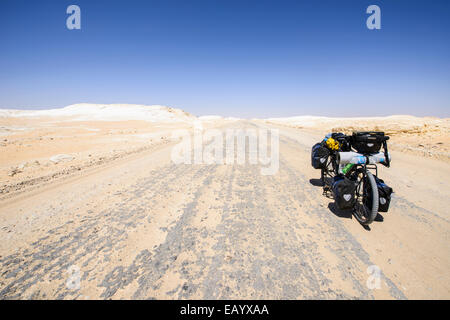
x=234 y=58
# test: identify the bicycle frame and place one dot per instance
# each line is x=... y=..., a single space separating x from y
x=334 y=170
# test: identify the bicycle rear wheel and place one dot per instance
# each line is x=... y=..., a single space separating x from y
x=364 y=211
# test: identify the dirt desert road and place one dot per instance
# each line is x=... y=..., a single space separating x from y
x=146 y=228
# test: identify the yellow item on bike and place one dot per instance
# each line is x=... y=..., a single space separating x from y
x=332 y=144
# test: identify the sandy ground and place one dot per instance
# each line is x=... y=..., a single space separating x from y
x=37 y=150
x=132 y=224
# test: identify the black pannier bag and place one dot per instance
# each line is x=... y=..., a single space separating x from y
x=343 y=140
x=344 y=191
x=367 y=142
x=384 y=195
x=319 y=156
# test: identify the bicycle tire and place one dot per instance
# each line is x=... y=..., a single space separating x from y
x=368 y=219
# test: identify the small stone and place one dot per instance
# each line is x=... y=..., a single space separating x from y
x=61 y=158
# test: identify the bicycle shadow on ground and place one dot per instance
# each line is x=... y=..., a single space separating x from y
x=319 y=182
x=316 y=182
x=348 y=214
x=340 y=213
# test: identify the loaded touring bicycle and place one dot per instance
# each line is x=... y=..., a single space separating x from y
x=348 y=166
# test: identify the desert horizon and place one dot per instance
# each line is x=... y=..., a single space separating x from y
x=140 y=124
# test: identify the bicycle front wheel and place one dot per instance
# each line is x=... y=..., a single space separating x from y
x=365 y=211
